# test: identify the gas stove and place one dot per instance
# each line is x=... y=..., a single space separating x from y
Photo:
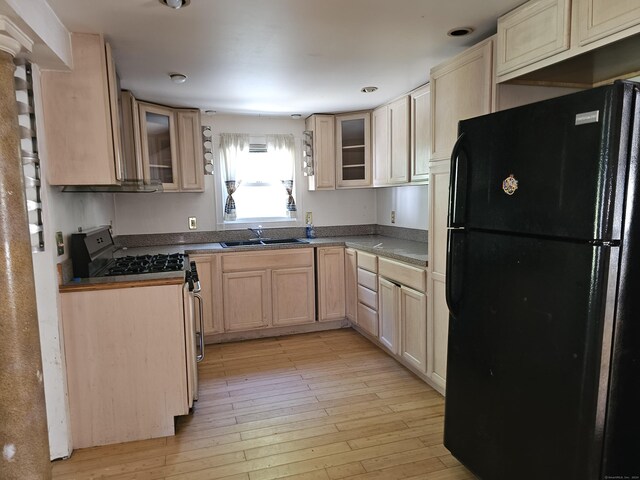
x=139 y=264
x=94 y=255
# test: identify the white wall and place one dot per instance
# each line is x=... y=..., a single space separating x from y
x=169 y=212
x=63 y=212
x=409 y=202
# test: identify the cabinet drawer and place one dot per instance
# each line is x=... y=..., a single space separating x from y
x=367 y=279
x=235 y=262
x=368 y=319
x=368 y=262
x=404 y=274
x=368 y=297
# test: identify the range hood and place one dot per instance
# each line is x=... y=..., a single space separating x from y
x=129 y=186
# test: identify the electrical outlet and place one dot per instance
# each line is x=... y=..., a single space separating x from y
x=308 y=217
x=393 y=216
x=192 y=223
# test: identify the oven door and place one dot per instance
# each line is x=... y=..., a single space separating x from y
x=191 y=343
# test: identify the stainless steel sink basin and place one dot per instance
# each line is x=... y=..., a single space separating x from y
x=265 y=241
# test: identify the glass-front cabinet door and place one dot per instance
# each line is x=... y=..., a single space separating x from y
x=353 y=144
x=159 y=146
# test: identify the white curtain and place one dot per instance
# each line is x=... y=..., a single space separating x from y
x=282 y=149
x=233 y=147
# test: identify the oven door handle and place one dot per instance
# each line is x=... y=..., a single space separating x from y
x=200 y=334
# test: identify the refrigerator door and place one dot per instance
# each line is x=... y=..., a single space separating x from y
x=548 y=168
x=524 y=378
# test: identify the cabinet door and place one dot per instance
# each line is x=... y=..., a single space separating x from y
x=460 y=89
x=532 y=32
x=76 y=108
x=438 y=332
x=438 y=313
x=600 y=18
x=324 y=151
x=293 y=296
x=350 y=284
x=247 y=300
x=399 y=139
x=159 y=151
x=331 y=291
x=116 y=115
x=389 y=313
x=381 y=154
x=190 y=156
x=353 y=158
x=420 y=134
x=413 y=327
x=210 y=274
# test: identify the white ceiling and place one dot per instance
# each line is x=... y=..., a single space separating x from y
x=280 y=56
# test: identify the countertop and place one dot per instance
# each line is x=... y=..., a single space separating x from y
x=407 y=251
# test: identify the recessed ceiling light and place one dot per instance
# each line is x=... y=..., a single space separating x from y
x=175 y=4
x=460 y=31
x=368 y=89
x=178 y=78
x=296 y=115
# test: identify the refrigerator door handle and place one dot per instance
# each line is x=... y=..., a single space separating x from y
x=455 y=247
x=456 y=193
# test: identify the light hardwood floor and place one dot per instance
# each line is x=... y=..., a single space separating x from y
x=326 y=405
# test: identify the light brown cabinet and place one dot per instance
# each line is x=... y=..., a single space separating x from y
x=80 y=109
x=125 y=352
x=367 y=292
x=266 y=289
x=420 y=134
x=322 y=128
x=331 y=283
x=292 y=296
x=580 y=43
x=171 y=147
x=532 y=32
x=351 y=284
x=389 y=314
x=353 y=157
x=598 y=19
x=413 y=327
x=391 y=132
x=210 y=274
x=460 y=88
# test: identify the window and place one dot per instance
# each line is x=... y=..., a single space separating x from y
x=257 y=178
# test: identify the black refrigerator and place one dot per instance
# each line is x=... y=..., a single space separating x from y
x=543 y=289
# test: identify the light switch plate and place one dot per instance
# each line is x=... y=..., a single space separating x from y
x=393 y=216
x=60 y=243
x=192 y=223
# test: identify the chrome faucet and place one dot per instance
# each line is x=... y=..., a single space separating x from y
x=257 y=231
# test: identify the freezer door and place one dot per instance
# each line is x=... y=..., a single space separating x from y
x=524 y=356
x=549 y=168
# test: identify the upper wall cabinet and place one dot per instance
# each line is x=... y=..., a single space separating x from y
x=171 y=147
x=601 y=18
x=460 y=88
x=159 y=145
x=324 y=151
x=80 y=110
x=391 y=143
x=563 y=42
x=532 y=32
x=353 y=158
x=420 y=133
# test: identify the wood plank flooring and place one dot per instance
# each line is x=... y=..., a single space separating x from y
x=327 y=405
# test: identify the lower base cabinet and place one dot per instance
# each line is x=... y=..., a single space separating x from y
x=125 y=352
x=389 y=313
x=246 y=300
x=413 y=327
x=331 y=286
x=254 y=290
x=292 y=296
x=438 y=331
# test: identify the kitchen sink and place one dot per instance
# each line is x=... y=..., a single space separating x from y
x=258 y=242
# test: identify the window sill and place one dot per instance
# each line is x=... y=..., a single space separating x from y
x=265 y=222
